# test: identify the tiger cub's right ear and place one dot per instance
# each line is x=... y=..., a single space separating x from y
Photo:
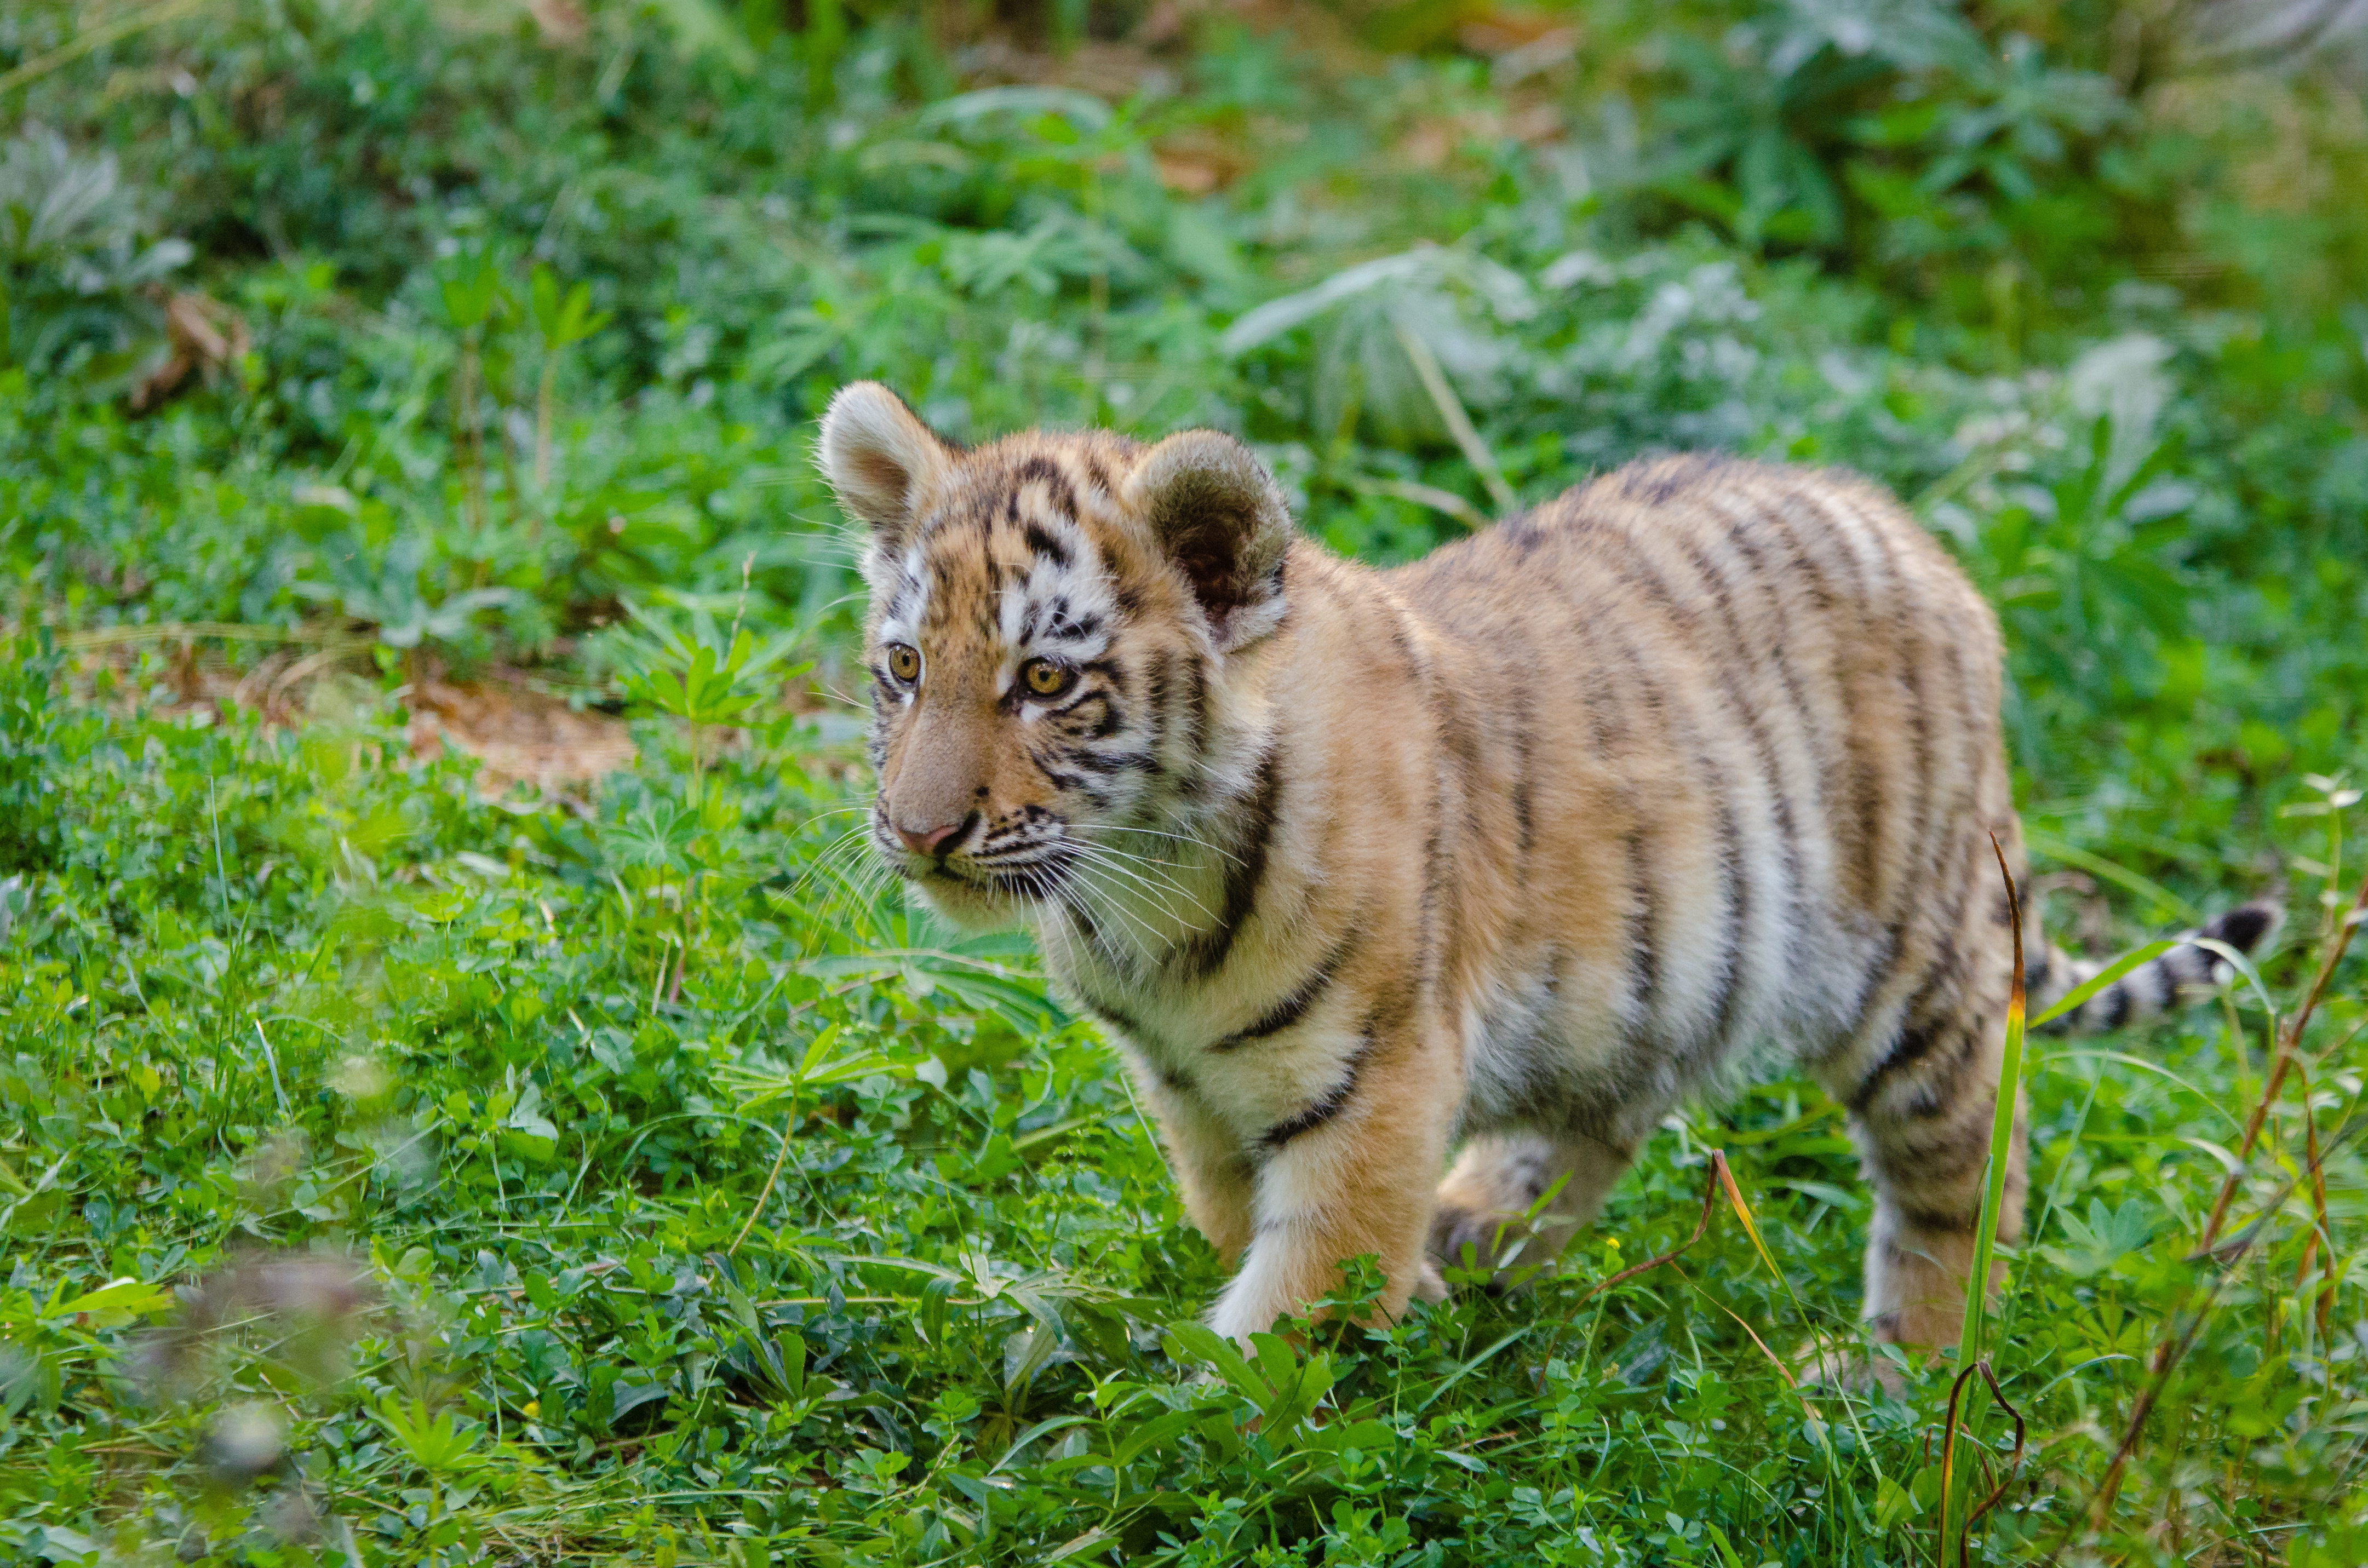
x=1223 y=521
x=880 y=458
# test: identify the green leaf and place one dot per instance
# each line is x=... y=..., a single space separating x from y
x=113 y=1304
x=2121 y=966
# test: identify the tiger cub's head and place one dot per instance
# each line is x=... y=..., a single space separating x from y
x=1049 y=617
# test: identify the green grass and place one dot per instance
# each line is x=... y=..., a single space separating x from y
x=394 y=1170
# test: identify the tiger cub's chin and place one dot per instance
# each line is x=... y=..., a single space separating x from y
x=1492 y=856
x=968 y=907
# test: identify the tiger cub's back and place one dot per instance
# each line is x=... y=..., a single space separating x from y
x=1762 y=705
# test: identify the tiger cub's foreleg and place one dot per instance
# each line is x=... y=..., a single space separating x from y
x=1218 y=1177
x=1350 y=1176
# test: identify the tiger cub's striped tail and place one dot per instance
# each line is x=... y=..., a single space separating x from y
x=2155 y=985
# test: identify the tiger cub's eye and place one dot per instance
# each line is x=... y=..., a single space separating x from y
x=903 y=662
x=1046 y=678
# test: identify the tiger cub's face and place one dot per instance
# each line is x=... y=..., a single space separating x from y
x=1048 y=615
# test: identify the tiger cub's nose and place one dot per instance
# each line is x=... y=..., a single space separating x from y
x=934 y=840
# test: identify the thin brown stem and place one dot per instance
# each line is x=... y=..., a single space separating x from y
x=773 y=1177
x=466 y=434
x=2324 y=1234
x=2289 y=1038
x=1702 y=1227
x=1949 y=1454
x=544 y=392
x=2168 y=1352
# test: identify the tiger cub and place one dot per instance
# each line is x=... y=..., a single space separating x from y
x=1510 y=847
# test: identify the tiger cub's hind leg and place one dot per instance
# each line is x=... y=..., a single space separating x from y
x=1922 y=1121
x=1483 y=1214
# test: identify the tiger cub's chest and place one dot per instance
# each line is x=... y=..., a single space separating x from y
x=1247 y=1047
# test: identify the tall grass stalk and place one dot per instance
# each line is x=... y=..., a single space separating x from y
x=1978 y=1283
x=2010 y=1092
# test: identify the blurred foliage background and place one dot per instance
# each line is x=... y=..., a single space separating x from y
x=466 y=1097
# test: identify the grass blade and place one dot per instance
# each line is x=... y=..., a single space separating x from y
x=2055 y=848
x=2103 y=978
x=1978 y=1283
x=2010 y=1085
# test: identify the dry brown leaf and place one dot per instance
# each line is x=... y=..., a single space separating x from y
x=519 y=735
x=1195 y=164
x=560 y=22
x=1114 y=71
x=1502 y=30
x=202 y=334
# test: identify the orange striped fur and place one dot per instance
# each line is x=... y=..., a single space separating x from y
x=1493 y=857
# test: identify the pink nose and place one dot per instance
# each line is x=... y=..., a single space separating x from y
x=930 y=840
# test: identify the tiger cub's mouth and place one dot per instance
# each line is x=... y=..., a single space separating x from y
x=1005 y=883
x=1039 y=873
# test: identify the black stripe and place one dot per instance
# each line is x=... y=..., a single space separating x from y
x=1941 y=985
x=1936 y=1153
x=1755 y=725
x=2117 y=1011
x=1872 y=792
x=1196 y=703
x=1864 y=789
x=1155 y=693
x=1108 y=956
x=1735 y=893
x=1041 y=541
x=1936 y=1221
x=1524 y=785
x=1737 y=902
x=1611 y=729
x=1937 y=1090
x=1915 y=1041
x=1643 y=928
x=1062 y=495
x=1195 y=722
x=1334 y=1101
x=1739 y=535
x=2241 y=927
x=1920 y=723
x=1427 y=920
x=1165 y=695
x=1102 y=767
x=1208 y=950
x=1113 y=1018
x=1294 y=1005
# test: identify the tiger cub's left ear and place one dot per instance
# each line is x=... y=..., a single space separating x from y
x=1221 y=517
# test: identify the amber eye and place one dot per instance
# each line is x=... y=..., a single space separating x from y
x=903 y=662
x=1046 y=678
